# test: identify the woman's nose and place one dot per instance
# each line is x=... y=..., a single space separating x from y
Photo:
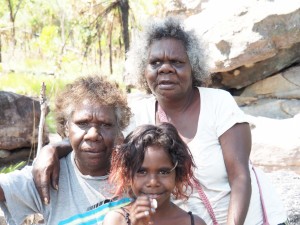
x=93 y=134
x=166 y=68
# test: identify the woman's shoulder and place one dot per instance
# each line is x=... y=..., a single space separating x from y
x=213 y=91
x=116 y=217
x=136 y=99
x=198 y=220
x=217 y=97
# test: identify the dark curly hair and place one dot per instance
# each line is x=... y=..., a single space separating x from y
x=96 y=89
x=129 y=157
x=157 y=29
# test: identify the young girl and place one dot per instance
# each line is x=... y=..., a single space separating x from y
x=152 y=164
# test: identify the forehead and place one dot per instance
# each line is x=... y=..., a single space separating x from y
x=88 y=108
x=157 y=156
x=168 y=45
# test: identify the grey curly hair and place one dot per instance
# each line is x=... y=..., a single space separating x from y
x=156 y=29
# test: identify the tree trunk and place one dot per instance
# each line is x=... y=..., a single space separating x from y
x=124 y=6
x=100 y=49
x=110 y=49
x=12 y=15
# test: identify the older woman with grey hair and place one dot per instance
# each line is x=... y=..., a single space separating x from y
x=137 y=57
x=170 y=62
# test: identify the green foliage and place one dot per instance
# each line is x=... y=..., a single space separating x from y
x=48 y=40
x=63 y=37
x=30 y=85
x=13 y=167
x=50 y=121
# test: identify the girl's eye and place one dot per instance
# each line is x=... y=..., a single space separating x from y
x=141 y=172
x=164 y=172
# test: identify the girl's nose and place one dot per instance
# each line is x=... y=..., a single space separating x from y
x=153 y=180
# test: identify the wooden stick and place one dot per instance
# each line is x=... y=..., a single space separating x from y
x=43 y=105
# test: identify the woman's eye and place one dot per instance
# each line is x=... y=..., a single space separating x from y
x=155 y=63
x=176 y=62
x=106 y=125
x=82 y=124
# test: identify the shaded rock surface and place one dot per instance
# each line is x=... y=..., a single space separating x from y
x=19 y=121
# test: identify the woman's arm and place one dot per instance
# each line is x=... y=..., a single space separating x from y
x=2 y=197
x=236 y=148
x=46 y=167
x=198 y=220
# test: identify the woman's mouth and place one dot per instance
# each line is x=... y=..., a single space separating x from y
x=166 y=85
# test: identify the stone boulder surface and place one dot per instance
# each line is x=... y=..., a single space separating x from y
x=19 y=121
x=248 y=40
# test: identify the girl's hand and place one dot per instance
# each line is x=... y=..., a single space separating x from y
x=142 y=210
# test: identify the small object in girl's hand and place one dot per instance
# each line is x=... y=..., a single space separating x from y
x=154 y=203
x=146 y=213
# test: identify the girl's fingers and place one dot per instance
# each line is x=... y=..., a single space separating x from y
x=142 y=209
x=141 y=218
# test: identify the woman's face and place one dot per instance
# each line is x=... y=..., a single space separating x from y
x=168 y=70
x=93 y=132
x=155 y=178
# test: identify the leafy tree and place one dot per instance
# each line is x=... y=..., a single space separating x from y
x=13 y=7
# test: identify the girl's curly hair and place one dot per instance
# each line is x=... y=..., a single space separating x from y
x=96 y=89
x=170 y=27
x=129 y=157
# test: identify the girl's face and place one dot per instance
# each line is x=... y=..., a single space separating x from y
x=155 y=178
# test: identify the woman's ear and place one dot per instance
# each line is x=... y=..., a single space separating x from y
x=119 y=139
x=67 y=129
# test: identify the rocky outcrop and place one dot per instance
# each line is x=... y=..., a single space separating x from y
x=19 y=121
x=249 y=40
x=254 y=52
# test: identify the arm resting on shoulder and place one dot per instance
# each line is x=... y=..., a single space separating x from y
x=46 y=167
x=236 y=148
x=2 y=197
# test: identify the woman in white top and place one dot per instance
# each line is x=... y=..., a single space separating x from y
x=169 y=62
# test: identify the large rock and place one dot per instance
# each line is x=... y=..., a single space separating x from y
x=19 y=121
x=276 y=150
x=276 y=143
x=282 y=85
x=249 y=40
x=273 y=108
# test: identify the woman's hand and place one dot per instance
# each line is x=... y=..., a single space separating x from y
x=142 y=210
x=46 y=170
